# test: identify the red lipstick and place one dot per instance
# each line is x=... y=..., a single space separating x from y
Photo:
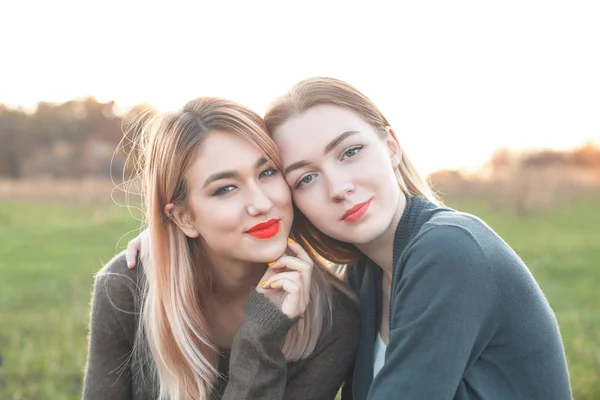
x=264 y=230
x=356 y=212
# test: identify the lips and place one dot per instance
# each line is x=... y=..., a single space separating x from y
x=264 y=230
x=356 y=212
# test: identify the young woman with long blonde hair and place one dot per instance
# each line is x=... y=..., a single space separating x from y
x=226 y=307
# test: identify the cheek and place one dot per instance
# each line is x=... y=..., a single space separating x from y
x=386 y=174
x=281 y=197
x=217 y=219
x=375 y=169
x=312 y=204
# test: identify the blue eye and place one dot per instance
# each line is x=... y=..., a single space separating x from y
x=268 y=172
x=305 y=181
x=224 y=190
x=351 y=152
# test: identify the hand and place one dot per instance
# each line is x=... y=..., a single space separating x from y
x=141 y=244
x=287 y=281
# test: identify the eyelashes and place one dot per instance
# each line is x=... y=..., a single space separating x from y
x=304 y=181
x=223 y=190
x=350 y=152
x=268 y=173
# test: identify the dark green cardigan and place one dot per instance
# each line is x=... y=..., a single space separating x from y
x=467 y=318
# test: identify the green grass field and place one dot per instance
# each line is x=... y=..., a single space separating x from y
x=49 y=253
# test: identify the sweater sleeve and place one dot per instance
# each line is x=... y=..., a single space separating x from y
x=258 y=369
x=322 y=374
x=442 y=310
x=107 y=373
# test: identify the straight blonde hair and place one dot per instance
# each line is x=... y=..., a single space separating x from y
x=317 y=91
x=172 y=324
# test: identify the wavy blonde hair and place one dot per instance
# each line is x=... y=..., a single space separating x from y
x=316 y=91
x=172 y=323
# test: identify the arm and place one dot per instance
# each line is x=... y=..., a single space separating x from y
x=107 y=374
x=258 y=369
x=442 y=313
x=321 y=375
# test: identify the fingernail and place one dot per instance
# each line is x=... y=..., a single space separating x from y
x=262 y=283
x=271 y=263
x=272 y=283
x=291 y=240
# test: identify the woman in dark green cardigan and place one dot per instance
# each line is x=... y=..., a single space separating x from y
x=448 y=310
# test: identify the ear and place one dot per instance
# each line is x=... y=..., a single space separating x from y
x=182 y=219
x=393 y=146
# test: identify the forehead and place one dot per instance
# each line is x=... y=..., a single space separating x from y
x=222 y=151
x=309 y=132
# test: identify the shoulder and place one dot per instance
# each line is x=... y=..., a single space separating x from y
x=457 y=231
x=465 y=237
x=116 y=285
x=113 y=317
x=455 y=246
x=116 y=271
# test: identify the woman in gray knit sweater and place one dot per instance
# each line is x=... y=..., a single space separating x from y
x=227 y=307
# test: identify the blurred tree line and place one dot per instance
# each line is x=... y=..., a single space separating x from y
x=82 y=137
x=79 y=138
x=527 y=181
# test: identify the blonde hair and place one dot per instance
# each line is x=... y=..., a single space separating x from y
x=172 y=323
x=316 y=91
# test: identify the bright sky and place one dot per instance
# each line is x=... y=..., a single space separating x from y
x=457 y=79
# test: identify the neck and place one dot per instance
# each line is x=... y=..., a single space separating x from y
x=381 y=250
x=232 y=280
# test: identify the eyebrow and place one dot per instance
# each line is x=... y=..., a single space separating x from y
x=231 y=174
x=330 y=146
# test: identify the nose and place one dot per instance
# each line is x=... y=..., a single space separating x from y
x=339 y=185
x=258 y=201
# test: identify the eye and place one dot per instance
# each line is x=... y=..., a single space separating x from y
x=305 y=180
x=224 y=190
x=268 y=172
x=351 y=152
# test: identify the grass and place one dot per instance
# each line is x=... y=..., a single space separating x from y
x=49 y=253
x=562 y=249
x=48 y=257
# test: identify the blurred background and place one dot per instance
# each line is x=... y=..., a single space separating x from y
x=497 y=102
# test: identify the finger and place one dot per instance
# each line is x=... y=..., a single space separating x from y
x=290 y=286
x=299 y=251
x=262 y=289
x=132 y=250
x=291 y=275
x=293 y=293
x=292 y=263
x=293 y=304
x=295 y=264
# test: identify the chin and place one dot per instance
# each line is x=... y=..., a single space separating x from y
x=268 y=250
x=362 y=234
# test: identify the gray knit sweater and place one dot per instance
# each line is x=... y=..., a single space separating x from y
x=254 y=367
